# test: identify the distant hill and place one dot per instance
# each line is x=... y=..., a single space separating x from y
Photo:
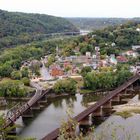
x=98 y=23
x=17 y=28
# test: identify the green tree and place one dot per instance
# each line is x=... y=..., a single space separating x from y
x=85 y=70
x=16 y=75
x=5 y=70
x=106 y=79
x=51 y=60
x=26 y=81
x=65 y=86
x=25 y=72
x=12 y=88
x=4 y=132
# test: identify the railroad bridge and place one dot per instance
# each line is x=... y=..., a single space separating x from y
x=104 y=107
x=26 y=110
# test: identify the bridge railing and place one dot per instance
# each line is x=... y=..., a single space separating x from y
x=14 y=115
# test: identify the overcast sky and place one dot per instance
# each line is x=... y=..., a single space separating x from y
x=75 y=8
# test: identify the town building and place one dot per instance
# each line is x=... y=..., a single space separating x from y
x=56 y=71
x=131 y=53
x=113 y=60
x=88 y=54
x=136 y=47
x=121 y=59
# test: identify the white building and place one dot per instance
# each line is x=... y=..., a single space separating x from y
x=135 y=47
x=88 y=54
x=138 y=29
x=132 y=53
x=113 y=59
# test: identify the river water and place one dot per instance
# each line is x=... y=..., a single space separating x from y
x=52 y=115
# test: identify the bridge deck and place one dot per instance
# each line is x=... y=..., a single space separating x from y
x=54 y=134
x=24 y=108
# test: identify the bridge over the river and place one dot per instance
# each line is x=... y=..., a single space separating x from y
x=25 y=110
x=81 y=32
x=104 y=106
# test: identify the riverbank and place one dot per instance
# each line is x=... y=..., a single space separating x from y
x=100 y=91
x=128 y=109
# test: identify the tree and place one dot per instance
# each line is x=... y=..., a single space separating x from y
x=51 y=60
x=16 y=75
x=85 y=70
x=106 y=78
x=12 y=88
x=4 y=132
x=122 y=41
x=68 y=129
x=65 y=86
x=35 y=67
x=68 y=50
x=25 y=72
x=26 y=81
x=5 y=70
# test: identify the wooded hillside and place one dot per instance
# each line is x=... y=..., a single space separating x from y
x=18 y=28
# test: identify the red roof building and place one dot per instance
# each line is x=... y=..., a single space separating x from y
x=122 y=59
x=56 y=71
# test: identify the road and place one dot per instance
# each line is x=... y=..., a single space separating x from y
x=44 y=72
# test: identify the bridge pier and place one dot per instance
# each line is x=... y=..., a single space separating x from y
x=107 y=109
x=43 y=102
x=137 y=85
x=36 y=106
x=84 y=124
x=28 y=114
x=127 y=94
x=97 y=120
x=116 y=100
x=139 y=96
x=130 y=89
x=107 y=105
x=85 y=121
x=98 y=112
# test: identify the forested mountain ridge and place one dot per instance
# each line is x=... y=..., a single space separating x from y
x=112 y=40
x=98 y=23
x=17 y=28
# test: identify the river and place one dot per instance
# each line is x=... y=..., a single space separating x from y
x=51 y=116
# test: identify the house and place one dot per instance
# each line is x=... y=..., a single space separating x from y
x=56 y=71
x=67 y=64
x=94 y=65
x=104 y=63
x=122 y=59
x=138 y=29
x=133 y=69
x=75 y=70
x=88 y=54
x=83 y=59
x=138 y=66
x=131 y=53
x=136 y=47
x=113 y=60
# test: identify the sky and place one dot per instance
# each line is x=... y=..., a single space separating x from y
x=75 y=8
